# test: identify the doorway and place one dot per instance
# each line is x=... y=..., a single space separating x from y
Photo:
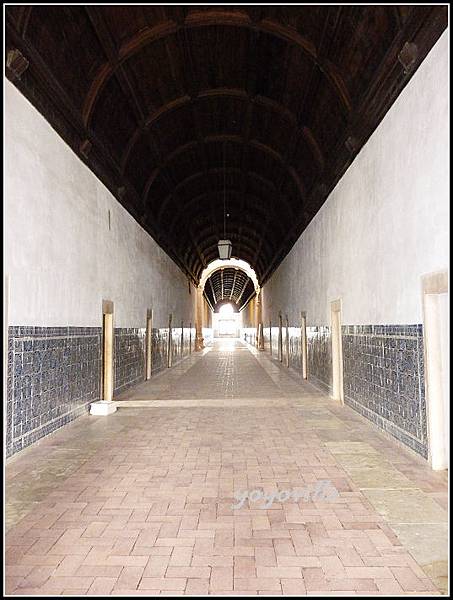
x=337 y=351
x=226 y=322
x=436 y=354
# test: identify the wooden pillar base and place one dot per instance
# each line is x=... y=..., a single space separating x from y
x=199 y=342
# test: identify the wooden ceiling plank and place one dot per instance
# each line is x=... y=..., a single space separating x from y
x=213 y=292
x=234 y=283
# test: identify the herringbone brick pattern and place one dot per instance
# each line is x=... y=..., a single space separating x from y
x=150 y=511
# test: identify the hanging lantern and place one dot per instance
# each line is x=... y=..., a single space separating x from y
x=225 y=248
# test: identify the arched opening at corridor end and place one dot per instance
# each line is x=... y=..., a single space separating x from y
x=229 y=281
x=226 y=310
x=228 y=287
x=227 y=321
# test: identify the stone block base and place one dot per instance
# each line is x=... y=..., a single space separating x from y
x=102 y=408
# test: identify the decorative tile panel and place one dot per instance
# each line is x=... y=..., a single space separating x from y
x=274 y=341
x=295 y=348
x=384 y=379
x=54 y=373
x=182 y=342
x=319 y=356
x=159 y=349
x=267 y=338
x=176 y=341
x=128 y=357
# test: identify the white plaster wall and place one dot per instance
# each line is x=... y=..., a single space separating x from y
x=61 y=258
x=386 y=222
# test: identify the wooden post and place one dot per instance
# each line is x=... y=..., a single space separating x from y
x=107 y=380
x=303 y=342
x=169 y=345
x=149 y=343
x=287 y=341
x=199 y=342
x=182 y=338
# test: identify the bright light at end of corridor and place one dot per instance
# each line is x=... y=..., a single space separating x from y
x=226 y=309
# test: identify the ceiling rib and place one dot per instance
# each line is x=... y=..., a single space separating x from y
x=290 y=93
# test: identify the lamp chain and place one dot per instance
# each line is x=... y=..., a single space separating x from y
x=224 y=194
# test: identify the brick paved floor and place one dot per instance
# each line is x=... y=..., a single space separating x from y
x=141 y=502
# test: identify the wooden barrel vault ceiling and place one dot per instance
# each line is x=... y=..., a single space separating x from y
x=180 y=108
x=229 y=285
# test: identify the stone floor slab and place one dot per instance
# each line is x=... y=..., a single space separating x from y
x=406 y=506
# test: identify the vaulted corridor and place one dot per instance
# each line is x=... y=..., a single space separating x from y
x=226 y=299
x=142 y=502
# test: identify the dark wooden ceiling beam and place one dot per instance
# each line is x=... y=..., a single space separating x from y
x=208 y=301
x=264 y=236
x=247 y=300
x=186 y=99
x=234 y=283
x=244 y=287
x=265 y=181
x=307 y=133
x=24 y=19
x=251 y=93
x=261 y=204
x=213 y=292
x=149 y=35
x=223 y=139
x=190 y=89
x=108 y=45
x=337 y=164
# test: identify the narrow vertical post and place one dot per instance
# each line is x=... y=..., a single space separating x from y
x=287 y=341
x=149 y=343
x=182 y=338
x=303 y=342
x=337 y=354
x=190 y=338
x=259 y=321
x=280 y=337
x=108 y=358
x=105 y=406
x=270 y=337
x=199 y=342
x=169 y=344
